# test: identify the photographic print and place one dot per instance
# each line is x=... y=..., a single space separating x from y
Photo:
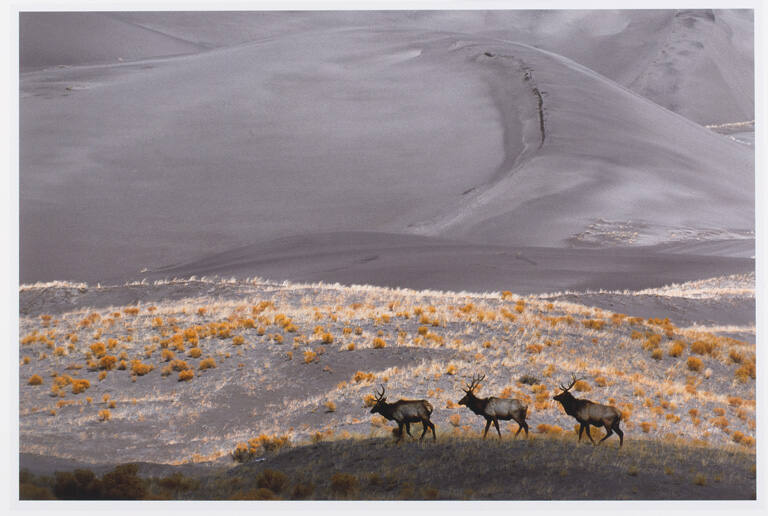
x=457 y=254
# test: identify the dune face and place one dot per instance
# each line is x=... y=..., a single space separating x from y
x=490 y=131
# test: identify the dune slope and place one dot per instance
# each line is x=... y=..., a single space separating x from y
x=393 y=130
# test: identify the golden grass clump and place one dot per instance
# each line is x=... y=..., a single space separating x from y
x=35 y=379
x=694 y=364
x=179 y=365
x=186 y=375
x=309 y=356
x=379 y=343
x=330 y=406
x=657 y=354
x=582 y=386
x=207 y=363
x=102 y=375
x=195 y=352
x=594 y=324
x=139 y=368
x=79 y=386
x=167 y=355
x=363 y=377
x=98 y=349
x=701 y=347
x=451 y=370
x=107 y=362
x=745 y=372
x=238 y=340
x=104 y=415
x=676 y=348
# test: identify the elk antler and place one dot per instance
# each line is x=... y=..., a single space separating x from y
x=573 y=382
x=380 y=395
x=475 y=382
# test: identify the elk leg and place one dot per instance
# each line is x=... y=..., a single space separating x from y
x=581 y=429
x=399 y=431
x=618 y=431
x=432 y=427
x=607 y=435
x=521 y=424
x=408 y=429
x=496 y=424
x=487 y=426
x=588 y=435
x=424 y=427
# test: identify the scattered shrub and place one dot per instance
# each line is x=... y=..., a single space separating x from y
x=195 y=352
x=104 y=415
x=140 y=369
x=302 y=491
x=273 y=480
x=343 y=484
x=694 y=364
x=107 y=362
x=186 y=375
x=98 y=349
x=676 y=348
x=309 y=356
x=378 y=343
x=582 y=386
x=79 y=386
x=35 y=379
x=208 y=363
x=179 y=365
x=238 y=340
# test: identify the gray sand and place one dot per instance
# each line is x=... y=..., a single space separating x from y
x=485 y=129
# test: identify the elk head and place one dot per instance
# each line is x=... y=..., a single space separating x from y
x=566 y=396
x=380 y=400
x=470 y=390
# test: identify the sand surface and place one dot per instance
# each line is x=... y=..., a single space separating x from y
x=186 y=139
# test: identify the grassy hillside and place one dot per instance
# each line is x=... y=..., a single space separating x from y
x=222 y=364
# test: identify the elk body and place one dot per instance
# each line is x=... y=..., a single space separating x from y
x=589 y=413
x=493 y=409
x=405 y=412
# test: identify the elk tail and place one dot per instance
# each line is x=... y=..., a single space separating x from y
x=429 y=407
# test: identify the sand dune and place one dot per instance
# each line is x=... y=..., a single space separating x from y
x=53 y=39
x=409 y=128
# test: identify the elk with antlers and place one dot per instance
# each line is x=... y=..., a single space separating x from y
x=405 y=412
x=589 y=413
x=493 y=409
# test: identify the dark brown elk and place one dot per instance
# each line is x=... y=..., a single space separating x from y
x=589 y=413
x=405 y=412
x=493 y=409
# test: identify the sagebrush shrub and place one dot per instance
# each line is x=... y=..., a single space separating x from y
x=35 y=380
x=79 y=386
x=186 y=375
x=107 y=362
x=207 y=363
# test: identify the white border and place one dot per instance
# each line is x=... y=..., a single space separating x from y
x=10 y=264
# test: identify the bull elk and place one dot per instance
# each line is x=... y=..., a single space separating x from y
x=493 y=409
x=589 y=413
x=405 y=412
